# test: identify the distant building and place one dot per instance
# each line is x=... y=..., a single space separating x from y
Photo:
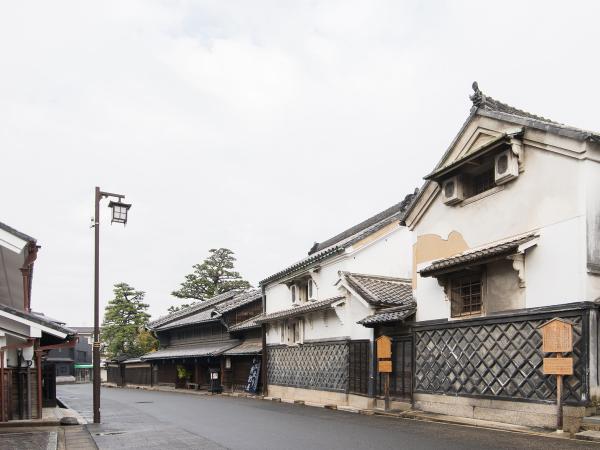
x=213 y=344
x=74 y=364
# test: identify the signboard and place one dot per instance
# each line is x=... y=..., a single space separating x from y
x=557 y=336
x=384 y=366
x=214 y=375
x=384 y=347
x=558 y=366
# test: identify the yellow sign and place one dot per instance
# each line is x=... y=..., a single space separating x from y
x=557 y=336
x=384 y=347
x=558 y=366
x=384 y=366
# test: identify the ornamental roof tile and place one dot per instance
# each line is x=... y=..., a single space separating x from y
x=379 y=290
x=299 y=310
x=477 y=254
x=483 y=103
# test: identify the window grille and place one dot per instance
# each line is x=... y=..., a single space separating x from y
x=466 y=296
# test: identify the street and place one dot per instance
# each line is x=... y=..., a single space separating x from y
x=149 y=419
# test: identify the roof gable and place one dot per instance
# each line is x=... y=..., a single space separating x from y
x=475 y=134
x=339 y=243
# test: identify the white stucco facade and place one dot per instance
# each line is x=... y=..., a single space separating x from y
x=556 y=194
x=388 y=255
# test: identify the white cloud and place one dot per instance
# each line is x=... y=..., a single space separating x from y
x=261 y=126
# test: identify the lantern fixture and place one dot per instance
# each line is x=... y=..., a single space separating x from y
x=119 y=211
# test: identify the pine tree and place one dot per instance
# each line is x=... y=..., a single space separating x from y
x=125 y=316
x=212 y=277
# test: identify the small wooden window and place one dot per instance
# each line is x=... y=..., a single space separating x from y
x=294 y=293
x=466 y=296
x=310 y=289
x=483 y=181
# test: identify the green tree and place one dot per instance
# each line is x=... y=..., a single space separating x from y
x=123 y=328
x=212 y=277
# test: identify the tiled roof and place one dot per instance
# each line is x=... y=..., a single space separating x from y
x=393 y=211
x=200 y=305
x=390 y=315
x=483 y=103
x=17 y=233
x=39 y=319
x=340 y=242
x=240 y=300
x=205 y=315
x=248 y=347
x=208 y=349
x=213 y=311
x=252 y=322
x=379 y=290
x=298 y=310
x=474 y=255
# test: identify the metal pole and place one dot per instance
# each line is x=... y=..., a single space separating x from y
x=96 y=347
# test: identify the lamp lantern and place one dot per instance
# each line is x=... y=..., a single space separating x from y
x=119 y=211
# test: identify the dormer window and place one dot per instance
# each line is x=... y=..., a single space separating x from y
x=481 y=170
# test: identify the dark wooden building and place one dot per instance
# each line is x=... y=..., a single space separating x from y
x=214 y=344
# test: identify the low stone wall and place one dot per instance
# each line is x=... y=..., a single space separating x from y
x=320 y=397
x=513 y=412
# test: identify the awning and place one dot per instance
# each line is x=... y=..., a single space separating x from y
x=496 y=144
x=248 y=347
x=300 y=310
x=212 y=349
x=84 y=366
x=389 y=315
x=480 y=255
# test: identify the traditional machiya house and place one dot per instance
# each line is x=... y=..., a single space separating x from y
x=218 y=336
x=316 y=349
x=27 y=384
x=506 y=237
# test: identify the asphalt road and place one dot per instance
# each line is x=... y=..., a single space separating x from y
x=149 y=419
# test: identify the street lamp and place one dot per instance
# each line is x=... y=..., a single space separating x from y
x=119 y=215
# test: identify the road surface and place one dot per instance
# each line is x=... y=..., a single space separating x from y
x=170 y=420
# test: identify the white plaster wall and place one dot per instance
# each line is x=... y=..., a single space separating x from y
x=547 y=196
x=390 y=255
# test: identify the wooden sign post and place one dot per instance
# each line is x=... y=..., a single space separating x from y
x=384 y=365
x=557 y=337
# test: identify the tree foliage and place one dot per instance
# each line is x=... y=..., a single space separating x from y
x=123 y=328
x=213 y=276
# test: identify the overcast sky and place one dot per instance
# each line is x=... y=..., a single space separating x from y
x=257 y=126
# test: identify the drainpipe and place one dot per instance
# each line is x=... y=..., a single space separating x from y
x=265 y=355
x=27 y=273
